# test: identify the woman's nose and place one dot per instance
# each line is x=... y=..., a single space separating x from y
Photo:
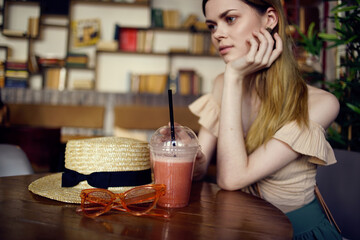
x=219 y=33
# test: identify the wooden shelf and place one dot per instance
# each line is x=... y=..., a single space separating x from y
x=171 y=54
x=181 y=30
x=57 y=115
x=80 y=68
x=69 y=67
x=13 y=34
x=134 y=4
x=28 y=2
x=53 y=25
x=191 y=54
x=130 y=52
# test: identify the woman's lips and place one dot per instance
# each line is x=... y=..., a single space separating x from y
x=224 y=49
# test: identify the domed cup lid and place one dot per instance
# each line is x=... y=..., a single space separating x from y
x=185 y=138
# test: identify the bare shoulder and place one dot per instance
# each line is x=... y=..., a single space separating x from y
x=218 y=88
x=323 y=106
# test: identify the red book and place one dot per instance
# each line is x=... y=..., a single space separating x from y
x=127 y=39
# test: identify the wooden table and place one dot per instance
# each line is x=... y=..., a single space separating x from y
x=211 y=214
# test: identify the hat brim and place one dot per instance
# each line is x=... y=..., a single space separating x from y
x=50 y=187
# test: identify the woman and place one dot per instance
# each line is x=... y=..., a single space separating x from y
x=266 y=124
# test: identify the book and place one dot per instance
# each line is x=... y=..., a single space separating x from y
x=33 y=27
x=156 y=83
x=51 y=62
x=128 y=39
x=148 y=83
x=17 y=73
x=107 y=45
x=140 y=40
x=77 y=60
x=55 y=78
x=199 y=25
x=189 y=82
x=117 y=32
x=33 y=65
x=190 y=21
x=86 y=32
x=197 y=43
x=15 y=33
x=157 y=18
x=185 y=78
x=171 y=18
x=2 y=74
x=16 y=64
x=11 y=82
x=149 y=41
x=83 y=84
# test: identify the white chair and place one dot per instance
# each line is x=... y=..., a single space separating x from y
x=339 y=185
x=13 y=161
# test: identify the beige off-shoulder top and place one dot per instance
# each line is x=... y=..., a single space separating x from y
x=292 y=186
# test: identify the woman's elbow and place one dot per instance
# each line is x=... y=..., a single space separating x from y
x=227 y=184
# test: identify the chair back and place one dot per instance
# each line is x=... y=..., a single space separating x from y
x=339 y=186
x=13 y=161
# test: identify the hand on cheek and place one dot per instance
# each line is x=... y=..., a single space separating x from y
x=261 y=53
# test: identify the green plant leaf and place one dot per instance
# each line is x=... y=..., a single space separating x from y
x=353 y=107
x=328 y=36
x=310 y=30
x=344 y=9
x=351 y=39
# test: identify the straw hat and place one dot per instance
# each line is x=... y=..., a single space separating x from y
x=107 y=162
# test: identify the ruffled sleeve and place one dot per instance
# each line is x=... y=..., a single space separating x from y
x=207 y=109
x=308 y=141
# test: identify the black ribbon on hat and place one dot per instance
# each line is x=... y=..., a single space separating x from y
x=71 y=178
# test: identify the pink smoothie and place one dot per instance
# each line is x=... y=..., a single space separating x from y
x=176 y=174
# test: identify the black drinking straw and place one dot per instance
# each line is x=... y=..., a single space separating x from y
x=171 y=111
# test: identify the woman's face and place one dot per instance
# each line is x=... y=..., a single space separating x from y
x=231 y=23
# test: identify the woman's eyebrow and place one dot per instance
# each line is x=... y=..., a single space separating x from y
x=222 y=15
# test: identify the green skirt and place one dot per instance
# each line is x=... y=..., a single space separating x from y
x=310 y=222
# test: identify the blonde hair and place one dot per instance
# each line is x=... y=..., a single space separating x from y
x=281 y=89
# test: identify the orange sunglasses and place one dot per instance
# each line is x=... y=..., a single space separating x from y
x=137 y=201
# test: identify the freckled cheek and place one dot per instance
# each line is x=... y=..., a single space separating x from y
x=240 y=50
x=241 y=44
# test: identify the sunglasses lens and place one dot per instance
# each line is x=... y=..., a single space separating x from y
x=95 y=203
x=140 y=200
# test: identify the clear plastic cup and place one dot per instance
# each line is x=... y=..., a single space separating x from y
x=173 y=163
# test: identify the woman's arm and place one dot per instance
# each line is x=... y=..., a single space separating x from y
x=207 y=140
x=235 y=168
x=208 y=144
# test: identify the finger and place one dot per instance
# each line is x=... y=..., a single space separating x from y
x=278 y=49
x=199 y=156
x=165 y=131
x=250 y=57
x=270 y=47
x=182 y=135
x=263 y=46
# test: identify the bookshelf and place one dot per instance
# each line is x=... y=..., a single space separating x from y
x=56 y=37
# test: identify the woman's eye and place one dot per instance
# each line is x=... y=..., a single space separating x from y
x=230 y=19
x=211 y=27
